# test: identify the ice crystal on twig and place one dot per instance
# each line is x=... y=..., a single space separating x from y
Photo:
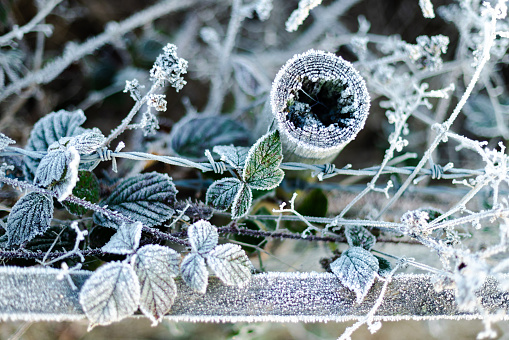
x=169 y=68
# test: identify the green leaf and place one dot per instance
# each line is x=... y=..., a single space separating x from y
x=147 y=198
x=110 y=294
x=156 y=266
x=358 y=236
x=191 y=136
x=233 y=155
x=356 y=269
x=29 y=217
x=231 y=264
x=262 y=164
x=221 y=193
x=242 y=202
x=86 y=188
x=50 y=129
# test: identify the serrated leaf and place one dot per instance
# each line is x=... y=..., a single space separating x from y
x=230 y=263
x=29 y=217
x=203 y=236
x=262 y=164
x=5 y=141
x=221 y=193
x=248 y=77
x=50 y=129
x=88 y=142
x=194 y=272
x=147 y=198
x=358 y=236
x=156 y=266
x=194 y=134
x=86 y=188
x=58 y=170
x=126 y=240
x=242 y=202
x=233 y=155
x=356 y=269
x=110 y=294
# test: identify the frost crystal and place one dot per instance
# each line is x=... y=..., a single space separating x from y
x=300 y=14
x=5 y=141
x=169 y=67
x=427 y=52
x=416 y=221
x=157 y=101
x=133 y=87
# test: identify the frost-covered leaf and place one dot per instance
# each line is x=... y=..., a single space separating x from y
x=156 y=266
x=262 y=164
x=356 y=269
x=230 y=263
x=248 y=77
x=194 y=272
x=29 y=217
x=126 y=240
x=203 y=236
x=88 y=142
x=50 y=129
x=233 y=155
x=86 y=188
x=221 y=193
x=358 y=236
x=194 y=134
x=110 y=294
x=58 y=170
x=147 y=198
x=242 y=202
x=5 y=141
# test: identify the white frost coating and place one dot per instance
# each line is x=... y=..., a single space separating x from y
x=66 y=185
x=5 y=141
x=156 y=266
x=110 y=294
x=314 y=140
x=357 y=269
x=427 y=9
x=231 y=264
x=126 y=240
x=194 y=272
x=300 y=14
x=203 y=236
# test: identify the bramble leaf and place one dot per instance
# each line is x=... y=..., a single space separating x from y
x=147 y=198
x=191 y=136
x=203 y=236
x=384 y=266
x=358 y=236
x=356 y=269
x=242 y=202
x=233 y=155
x=29 y=217
x=86 y=188
x=221 y=193
x=262 y=164
x=88 y=142
x=110 y=294
x=50 y=129
x=230 y=263
x=126 y=240
x=194 y=272
x=156 y=266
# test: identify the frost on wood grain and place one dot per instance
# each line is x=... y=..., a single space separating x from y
x=30 y=216
x=126 y=240
x=34 y=294
x=147 y=198
x=110 y=294
x=156 y=267
x=320 y=103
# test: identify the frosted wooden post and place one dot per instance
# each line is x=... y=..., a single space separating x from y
x=320 y=103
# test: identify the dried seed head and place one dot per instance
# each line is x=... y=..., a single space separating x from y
x=320 y=102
